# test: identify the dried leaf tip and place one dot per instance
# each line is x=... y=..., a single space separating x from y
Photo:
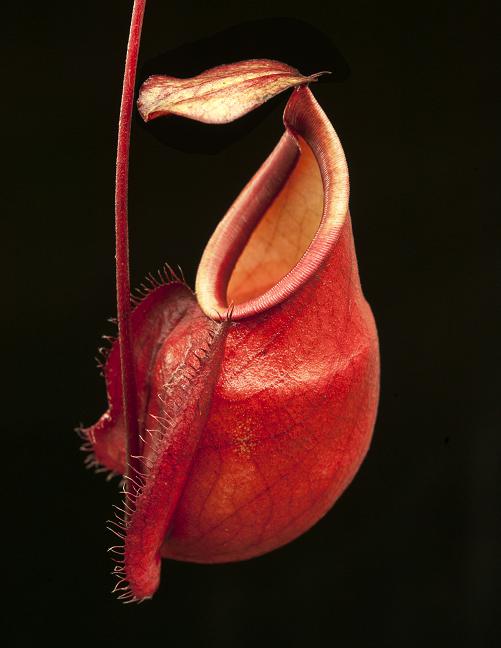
x=219 y=95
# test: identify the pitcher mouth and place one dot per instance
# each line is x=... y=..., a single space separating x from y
x=284 y=224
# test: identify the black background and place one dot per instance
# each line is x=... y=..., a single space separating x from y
x=410 y=554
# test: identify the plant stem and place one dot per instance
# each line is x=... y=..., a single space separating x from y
x=129 y=393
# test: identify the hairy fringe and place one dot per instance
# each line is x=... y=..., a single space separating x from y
x=90 y=460
x=166 y=275
x=133 y=486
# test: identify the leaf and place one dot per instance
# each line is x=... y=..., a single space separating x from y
x=219 y=95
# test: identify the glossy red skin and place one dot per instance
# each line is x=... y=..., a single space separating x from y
x=290 y=421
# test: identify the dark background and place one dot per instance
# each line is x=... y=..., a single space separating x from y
x=410 y=554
